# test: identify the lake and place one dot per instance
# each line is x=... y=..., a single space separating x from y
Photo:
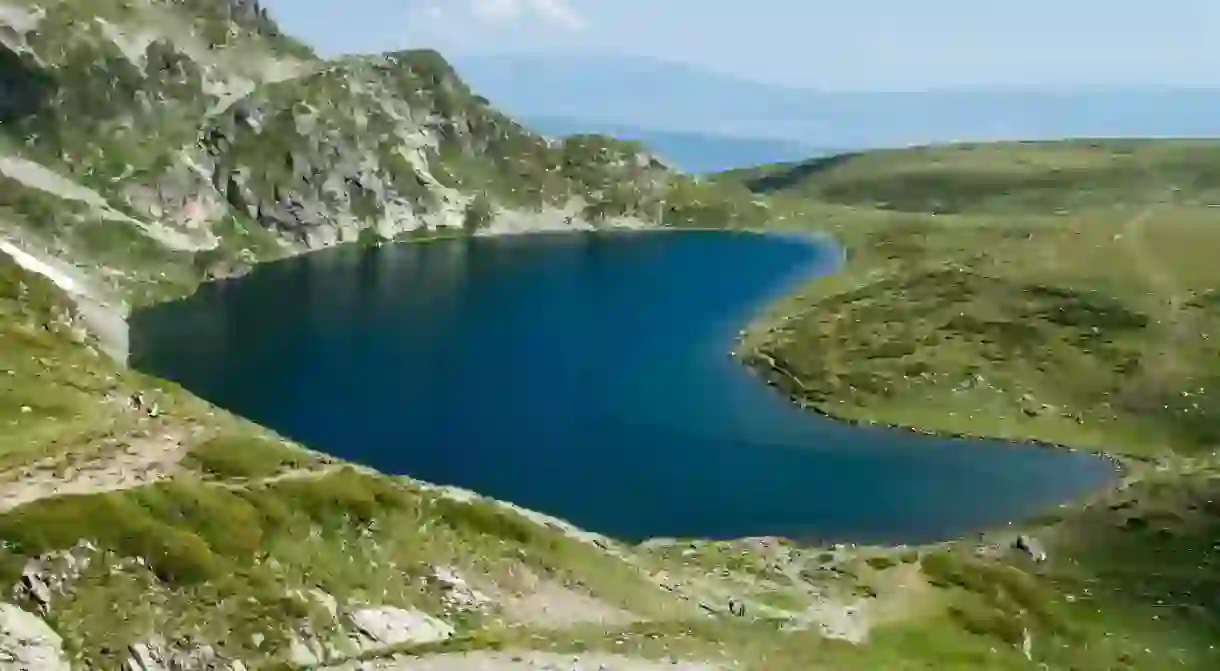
x=586 y=376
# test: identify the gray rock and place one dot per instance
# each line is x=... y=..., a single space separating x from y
x=34 y=587
x=143 y=659
x=389 y=626
x=26 y=642
x=1031 y=546
x=301 y=653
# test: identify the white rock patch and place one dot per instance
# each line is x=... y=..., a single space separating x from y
x=57 y=275
x=105 y=320
x=132 y=48
x=26 y=642
x=21 y=20
x=389 y=626
x=38 y=176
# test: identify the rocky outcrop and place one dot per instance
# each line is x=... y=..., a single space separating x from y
x=386 y=626
x=197 y=124
x=459 y=595
x=28 y=643
x=394 y=143
x=52 y=574
x=157 y=655
x=1032 y=547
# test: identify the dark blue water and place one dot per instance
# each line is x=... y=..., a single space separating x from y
x=584 y=376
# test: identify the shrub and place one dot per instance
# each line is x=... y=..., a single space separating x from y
x=115 y=521
x=479 y=214
x=344 y=495
x=369 y=237
x=488 y=519
x=987 y=621
x=880 y=563
x=245 y=457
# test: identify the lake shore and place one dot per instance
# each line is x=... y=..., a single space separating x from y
x=793 y=283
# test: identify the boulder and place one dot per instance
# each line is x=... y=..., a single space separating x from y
x=35 y=588
x=389 y=626
x=1032 y=547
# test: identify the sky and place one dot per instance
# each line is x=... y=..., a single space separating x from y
x=894 y=45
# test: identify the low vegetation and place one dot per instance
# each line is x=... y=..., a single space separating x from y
x=1084 y=328
x=244 y=456
x=49 y=382
x=1005 y=178
x=1050 y=291
x=228 y=562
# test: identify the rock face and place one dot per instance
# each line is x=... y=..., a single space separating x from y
x=26 y=642
x=387 y=626
x=1031 y=546
x=254 y=135
x=458 y=593
x=208 y=141
x=394 y=143
x=53 y=573
x=157 y=655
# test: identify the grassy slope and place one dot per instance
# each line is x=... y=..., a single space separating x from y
x=1068 y=295
x=1088 y=325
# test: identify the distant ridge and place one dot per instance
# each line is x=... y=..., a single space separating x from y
x=692 y=152
x=673 y=97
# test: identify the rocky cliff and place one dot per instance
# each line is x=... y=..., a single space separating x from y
x=163 y=141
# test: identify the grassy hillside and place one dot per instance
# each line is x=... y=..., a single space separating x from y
x=1090 y=326
x=1054 y=291
x=1004 y=177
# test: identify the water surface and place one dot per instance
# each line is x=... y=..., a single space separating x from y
x=585 y=376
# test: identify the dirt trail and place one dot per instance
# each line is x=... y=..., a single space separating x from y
x=142 y=461
x=294 y=474
x=1162 y=286
x=1146 y=263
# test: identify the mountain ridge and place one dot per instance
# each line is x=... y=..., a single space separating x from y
x=606 y=89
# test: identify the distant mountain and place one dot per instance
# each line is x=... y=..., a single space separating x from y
x=663 y=96
x=689 y=152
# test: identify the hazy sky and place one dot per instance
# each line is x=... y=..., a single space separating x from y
x=831 y=44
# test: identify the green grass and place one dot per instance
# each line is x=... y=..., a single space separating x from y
x=226 y=559
x=1006 y=177
x=1061 y=292
x=1090 y=329
x=243 y=456
x=49 y=384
